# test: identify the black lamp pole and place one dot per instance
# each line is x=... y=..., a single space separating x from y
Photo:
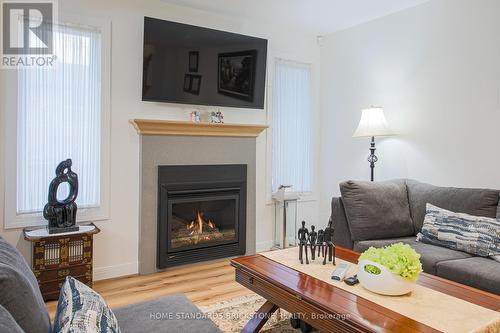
x=372 y=158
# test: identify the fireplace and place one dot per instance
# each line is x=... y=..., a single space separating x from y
x=201 y=213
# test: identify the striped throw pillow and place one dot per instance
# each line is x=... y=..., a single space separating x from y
x=80 y=309
x=476 y=235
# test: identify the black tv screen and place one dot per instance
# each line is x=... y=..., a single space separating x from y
x=193 y=65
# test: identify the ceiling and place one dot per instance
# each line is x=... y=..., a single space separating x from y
x=316 y=16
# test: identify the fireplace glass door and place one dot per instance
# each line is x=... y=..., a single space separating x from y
x=202 y=220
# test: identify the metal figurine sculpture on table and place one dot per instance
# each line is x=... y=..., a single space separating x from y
x=313 y=235
x=321 y=239
x=62 y=214
x=319 y=243
x=328 y=243
x=303 y=238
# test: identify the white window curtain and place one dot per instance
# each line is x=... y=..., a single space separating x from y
x=291 y=126
x=59 y=117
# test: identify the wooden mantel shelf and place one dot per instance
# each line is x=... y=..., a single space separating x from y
x=187 y=128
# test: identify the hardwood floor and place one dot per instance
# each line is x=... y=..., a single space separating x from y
x=203 y=284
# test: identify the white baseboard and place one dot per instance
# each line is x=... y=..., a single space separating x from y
x=264 y=246
x=101 y=273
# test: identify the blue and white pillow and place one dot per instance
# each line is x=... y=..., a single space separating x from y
x=476 y=235
x=80 y=309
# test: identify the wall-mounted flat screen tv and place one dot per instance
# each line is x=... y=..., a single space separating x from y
x=193 y=65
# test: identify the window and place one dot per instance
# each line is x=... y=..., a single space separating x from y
x=291 y=126
x=61 y=113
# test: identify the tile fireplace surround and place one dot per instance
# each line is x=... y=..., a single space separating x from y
x=159 y=150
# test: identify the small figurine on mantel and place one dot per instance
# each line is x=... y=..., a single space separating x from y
x=62 y=214
x=329 y=247
x=195 y=116
x=303 y=238
x=217 y=117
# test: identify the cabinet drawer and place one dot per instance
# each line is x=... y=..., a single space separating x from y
x=61 y=273
x=55 y=286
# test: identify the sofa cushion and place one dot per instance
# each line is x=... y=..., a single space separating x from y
x=7 y=323
x=478 y=202
x=476 y=235
x=19 y=291
x=80 y=309
x=175 y=314
x=478 y=272
x=377 y=210
x=361 y=246
x=431 y=255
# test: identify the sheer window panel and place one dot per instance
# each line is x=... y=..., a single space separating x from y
x=292 y=126
x=63 y=112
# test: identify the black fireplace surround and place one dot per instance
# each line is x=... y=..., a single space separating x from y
x=201 y=213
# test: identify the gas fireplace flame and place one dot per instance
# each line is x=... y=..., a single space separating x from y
x=199 y=228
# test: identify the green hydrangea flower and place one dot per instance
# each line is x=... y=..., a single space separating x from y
x=401 y=259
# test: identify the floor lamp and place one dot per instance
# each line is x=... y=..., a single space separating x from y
x=371 y=125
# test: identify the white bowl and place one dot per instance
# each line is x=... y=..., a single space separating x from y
x=385 y=283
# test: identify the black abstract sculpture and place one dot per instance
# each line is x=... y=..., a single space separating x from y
x=62 y=214
x=303 y=238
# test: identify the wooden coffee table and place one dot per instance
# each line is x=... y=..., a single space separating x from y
x=331 y=309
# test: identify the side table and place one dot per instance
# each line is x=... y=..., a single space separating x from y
x=56 y=256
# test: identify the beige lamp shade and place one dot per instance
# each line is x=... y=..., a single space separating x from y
x=372 y=123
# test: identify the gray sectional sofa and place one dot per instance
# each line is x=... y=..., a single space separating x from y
x=383 y=213
x=22 y=308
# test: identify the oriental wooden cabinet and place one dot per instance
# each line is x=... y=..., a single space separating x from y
x=56 y=256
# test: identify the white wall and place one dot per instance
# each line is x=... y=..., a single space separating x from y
x=436 y=70
x=116 y=247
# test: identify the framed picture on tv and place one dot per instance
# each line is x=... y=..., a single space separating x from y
x=236 y=76
x=192 y=83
